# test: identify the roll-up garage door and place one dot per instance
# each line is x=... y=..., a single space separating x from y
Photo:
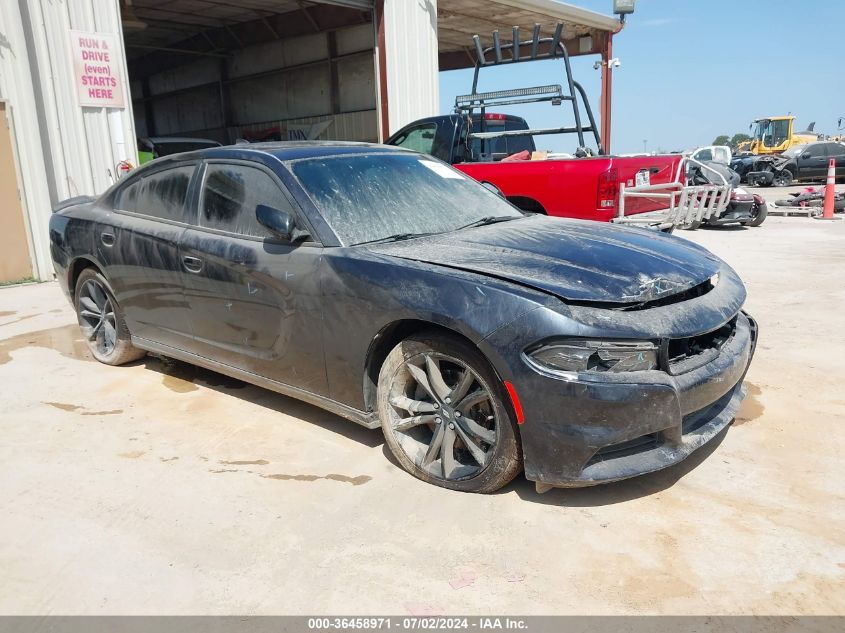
x=352 y=4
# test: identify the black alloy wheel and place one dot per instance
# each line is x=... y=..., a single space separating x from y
x=443 y=416
x=101 y=320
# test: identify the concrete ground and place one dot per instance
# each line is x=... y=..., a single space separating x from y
x=162 y=489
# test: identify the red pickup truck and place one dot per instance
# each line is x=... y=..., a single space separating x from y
x=500 y=149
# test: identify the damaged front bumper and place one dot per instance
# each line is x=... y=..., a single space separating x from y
x=605 y=427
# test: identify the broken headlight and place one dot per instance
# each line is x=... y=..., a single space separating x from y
x=595 y=356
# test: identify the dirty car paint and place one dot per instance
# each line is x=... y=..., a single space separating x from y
x=311 y=318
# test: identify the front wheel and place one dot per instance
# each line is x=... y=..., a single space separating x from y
x=443 y=415
x=760 y=216
x=782 y=178
x=101 y=320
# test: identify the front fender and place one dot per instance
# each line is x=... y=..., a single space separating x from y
x=363 y=293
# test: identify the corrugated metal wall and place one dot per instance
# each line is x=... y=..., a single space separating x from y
x=273 y=84
x=63 y=149
x=412 y=64
x=16 y=90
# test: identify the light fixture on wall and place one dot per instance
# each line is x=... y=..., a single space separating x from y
x=130 y=21
x=612 y=63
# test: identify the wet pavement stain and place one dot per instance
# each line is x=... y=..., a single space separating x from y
x=132 y=454
x=67 y=340
x=256 y=462
x=5 y=313
x=64 y=406
x=178 y=385
x=355 y=481
x=19 y=319
x=167 y=459
x=182 y=377
x=76 y=407
x=751 y=408
x=225 y=470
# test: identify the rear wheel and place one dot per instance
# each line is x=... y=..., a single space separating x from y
x=443 y=415
x=101 y=320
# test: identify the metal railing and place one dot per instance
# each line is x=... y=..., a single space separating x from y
x=687 y=205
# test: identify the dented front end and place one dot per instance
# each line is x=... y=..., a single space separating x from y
x=668 y=381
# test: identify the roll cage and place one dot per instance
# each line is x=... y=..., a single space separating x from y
x=538 y=48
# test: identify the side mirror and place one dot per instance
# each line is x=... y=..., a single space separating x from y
x=806 y=155
x=489 y=186
x=280 y=223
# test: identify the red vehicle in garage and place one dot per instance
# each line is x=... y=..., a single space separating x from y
x=500 y=149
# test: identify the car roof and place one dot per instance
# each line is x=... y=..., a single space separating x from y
x=180 y=139
x=280 y=150
x=294 y=150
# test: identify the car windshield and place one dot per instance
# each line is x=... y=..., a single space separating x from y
x=372 y=197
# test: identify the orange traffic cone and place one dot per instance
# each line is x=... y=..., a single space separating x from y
x=829 y=192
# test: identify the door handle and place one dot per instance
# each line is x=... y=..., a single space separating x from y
x=107 y=238
x=192 y=264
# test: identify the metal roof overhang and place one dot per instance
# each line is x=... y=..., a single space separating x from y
x=585 y=32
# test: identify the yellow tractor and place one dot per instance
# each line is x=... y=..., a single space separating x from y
x=776 y=134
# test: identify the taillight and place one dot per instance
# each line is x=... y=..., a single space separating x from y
x=608 y=190
x=491 y=116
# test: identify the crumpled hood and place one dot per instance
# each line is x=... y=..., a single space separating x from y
x=573 y=259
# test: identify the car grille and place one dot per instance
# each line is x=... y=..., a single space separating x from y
x=623 y=449
x=690 y=423
x=679 y=355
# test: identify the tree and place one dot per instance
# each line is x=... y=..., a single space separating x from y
x=724 y=139
x=739 y=138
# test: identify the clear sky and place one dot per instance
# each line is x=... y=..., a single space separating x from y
x=695 y=69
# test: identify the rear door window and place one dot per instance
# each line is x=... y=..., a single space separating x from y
x=503 y=146
x=516 y=144
x=230 y=195
x=163 y=195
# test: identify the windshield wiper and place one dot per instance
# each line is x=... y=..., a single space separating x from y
x=398 y=237
x=490 y=219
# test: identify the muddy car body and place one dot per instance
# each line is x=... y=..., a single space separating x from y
x=800 y=163
x=479 y=339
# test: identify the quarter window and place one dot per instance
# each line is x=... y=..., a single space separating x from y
x=230 y=195
x=161 y=195
x=128 y=197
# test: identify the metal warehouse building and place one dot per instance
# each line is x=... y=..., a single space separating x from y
x=81 y=80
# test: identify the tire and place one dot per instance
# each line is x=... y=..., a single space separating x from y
x=101 y=320
x=439 y=444
x=762 y=212
x=782 y=178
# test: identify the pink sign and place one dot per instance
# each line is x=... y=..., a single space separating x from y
x=97 y=69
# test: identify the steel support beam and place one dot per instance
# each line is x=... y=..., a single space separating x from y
x=384 y=132
x=606 y=93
